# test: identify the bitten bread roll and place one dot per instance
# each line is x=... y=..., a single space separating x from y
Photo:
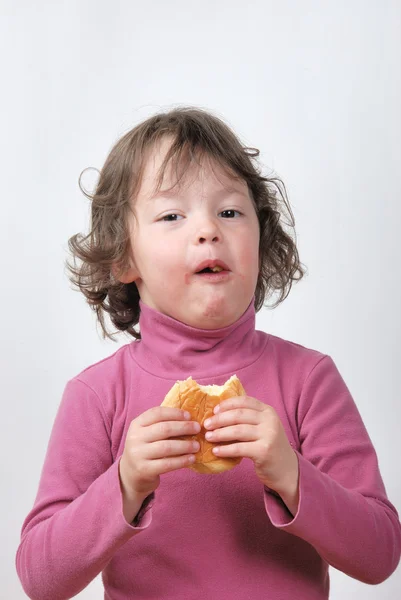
x=199 y=401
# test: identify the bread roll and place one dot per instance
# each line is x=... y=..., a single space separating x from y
x=199 y=401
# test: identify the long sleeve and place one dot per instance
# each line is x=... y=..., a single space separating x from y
x=76 y=524
x=343 y=508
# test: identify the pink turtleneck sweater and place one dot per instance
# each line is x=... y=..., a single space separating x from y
x=219 y=536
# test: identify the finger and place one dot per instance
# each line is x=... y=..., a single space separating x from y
x=232 y=417
x=240 y=433
x=238 y=402
x=162 y=413
x=165 y=465
x=169 y=448
x=169 y=429
x=239 y=449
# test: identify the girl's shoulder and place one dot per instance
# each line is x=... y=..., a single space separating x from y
x=113 y=367
x=293 y=361
x=291 y=350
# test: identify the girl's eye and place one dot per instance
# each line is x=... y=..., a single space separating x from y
x=231 y=210
x=167 y=217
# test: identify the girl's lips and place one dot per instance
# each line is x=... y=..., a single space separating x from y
x=211 y=263
x=214 y=277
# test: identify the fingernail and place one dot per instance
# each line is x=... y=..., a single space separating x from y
x=207 y=422
x=187 y=415
x=216 y=409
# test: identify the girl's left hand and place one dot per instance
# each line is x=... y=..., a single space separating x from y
x=259 y=435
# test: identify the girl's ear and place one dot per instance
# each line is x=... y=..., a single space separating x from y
x=129 y=275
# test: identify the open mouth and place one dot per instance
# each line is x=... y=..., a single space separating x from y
x=214 y=274
x=216 y=269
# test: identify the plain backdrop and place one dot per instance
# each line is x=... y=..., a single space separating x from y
x=316 y=86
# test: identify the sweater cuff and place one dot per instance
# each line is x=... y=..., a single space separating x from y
x=277 y=511
x=144 y=517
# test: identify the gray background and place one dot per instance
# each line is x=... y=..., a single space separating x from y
x=315 y=85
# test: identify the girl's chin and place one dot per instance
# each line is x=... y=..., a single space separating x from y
x=208 y=311
x=213 y=315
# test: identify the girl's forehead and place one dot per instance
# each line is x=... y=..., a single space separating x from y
x=204 y=171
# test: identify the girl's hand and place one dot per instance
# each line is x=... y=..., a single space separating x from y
x=258 y=434
x=149 y=451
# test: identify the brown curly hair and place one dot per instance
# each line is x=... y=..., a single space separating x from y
x=195 y=132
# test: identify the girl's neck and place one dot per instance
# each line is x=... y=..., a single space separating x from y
x=173 y=350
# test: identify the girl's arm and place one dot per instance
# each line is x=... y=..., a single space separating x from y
x=77 y=522
x=343 y=509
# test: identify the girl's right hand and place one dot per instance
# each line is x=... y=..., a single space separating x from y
x=149 y=451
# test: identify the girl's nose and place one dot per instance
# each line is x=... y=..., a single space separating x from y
x=208 y=231
x=205 y=238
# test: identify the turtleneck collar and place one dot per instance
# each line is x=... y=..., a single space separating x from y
x=171 y=349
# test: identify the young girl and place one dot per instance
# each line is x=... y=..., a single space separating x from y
x=177 y=194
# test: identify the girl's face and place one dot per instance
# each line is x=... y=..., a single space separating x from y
x=208 y=217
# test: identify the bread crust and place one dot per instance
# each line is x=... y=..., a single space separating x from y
x=200 y=401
